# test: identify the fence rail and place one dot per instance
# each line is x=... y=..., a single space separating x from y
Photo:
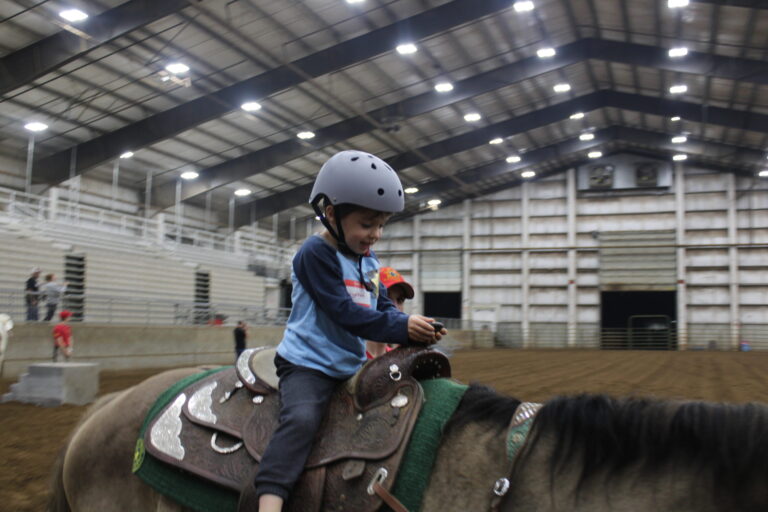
x=101 y=308
x=161 y=230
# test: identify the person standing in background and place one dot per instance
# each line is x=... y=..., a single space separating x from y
x=53 y=292
x=63 y=341
x=32 y=295
x=398 y=290
x=241 y=333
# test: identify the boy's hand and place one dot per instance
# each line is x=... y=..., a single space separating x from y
x=420 y=329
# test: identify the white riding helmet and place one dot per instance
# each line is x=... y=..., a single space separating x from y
x=359 y=178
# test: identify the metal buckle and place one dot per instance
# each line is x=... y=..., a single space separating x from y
x=501 y=486
x=378 y=477
x=222 y=449
x=394 y=372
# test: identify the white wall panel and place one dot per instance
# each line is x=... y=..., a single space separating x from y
x=494 y=280
x=708 y=296
x=495 y=223
x=549 y=314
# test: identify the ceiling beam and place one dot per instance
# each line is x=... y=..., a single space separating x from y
x=31 y=62
x=753 y=4
x=264 y=159
x=264 y=207
x=163 y=125
x=575 y=152
x=56 y=167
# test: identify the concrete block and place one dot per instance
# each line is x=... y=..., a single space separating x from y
x=56 y=383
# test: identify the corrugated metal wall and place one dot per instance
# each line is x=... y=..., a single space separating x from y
x=534 y=258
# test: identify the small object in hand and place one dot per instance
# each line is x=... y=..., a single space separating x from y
x=438 y=326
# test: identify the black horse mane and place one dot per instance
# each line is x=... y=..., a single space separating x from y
x=483 y=404
x=725 y=445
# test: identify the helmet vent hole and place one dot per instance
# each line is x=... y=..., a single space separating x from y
x=373 y=166
x=381 y=191
x=399 y=192
x=355 y=158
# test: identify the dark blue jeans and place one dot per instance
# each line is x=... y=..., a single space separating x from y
x=304 y=396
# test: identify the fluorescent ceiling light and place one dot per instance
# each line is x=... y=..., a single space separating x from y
x=513 y=159
x=545 y=53
x=577 y=115
x=594 y=154
x=406 y=49
x=73 y=15
x=189 y=175
x=527 y=174
x=672 y=4
x=472 y=117
x=127 y=154
x=587 y=136
x=434 y=202
x=523 y=6
x=411 y=190
x=305 y=135
x=177 y=68
x=35 y=126
x=679 y=139
x=674 y=119
x=678 y=89
x=497 y=140
x=763 y=173
x=679 y=158
x=355 y=1
x=680 y=51
x=444 y=87
x=251 y=106
x=562 y=87
x=242 y=192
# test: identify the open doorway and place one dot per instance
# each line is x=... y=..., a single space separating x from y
x=638 y=320
x=442 y=304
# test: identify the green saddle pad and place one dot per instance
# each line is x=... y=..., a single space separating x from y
x=442 y=396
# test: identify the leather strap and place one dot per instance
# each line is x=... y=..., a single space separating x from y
x=519 y=427
x=388 y=498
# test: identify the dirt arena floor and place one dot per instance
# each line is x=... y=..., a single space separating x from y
x=32 y=436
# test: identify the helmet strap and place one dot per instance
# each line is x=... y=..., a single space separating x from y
x=338 y=232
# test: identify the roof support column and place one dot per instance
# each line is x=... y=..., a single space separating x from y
x=525 y=278
x=416 y=265
x=466 y=263
x=573 y=325
x=682 y=293
x=733 y=261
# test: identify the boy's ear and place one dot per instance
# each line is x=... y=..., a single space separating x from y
x=330 y=213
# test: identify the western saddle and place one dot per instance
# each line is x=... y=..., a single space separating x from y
x=218 y=428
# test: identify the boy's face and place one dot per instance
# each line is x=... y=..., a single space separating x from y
x=397 y=296
x=362 y=228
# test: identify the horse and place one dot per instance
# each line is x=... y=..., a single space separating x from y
x=588 y=452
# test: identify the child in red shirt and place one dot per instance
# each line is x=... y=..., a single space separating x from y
x=62 y=337
x=398 y=289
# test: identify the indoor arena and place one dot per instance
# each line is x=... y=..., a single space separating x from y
x=513 y=253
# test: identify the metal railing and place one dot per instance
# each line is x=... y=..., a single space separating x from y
x=162 y=231
x=102 y=308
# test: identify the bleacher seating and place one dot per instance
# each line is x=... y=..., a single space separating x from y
x=128 y=279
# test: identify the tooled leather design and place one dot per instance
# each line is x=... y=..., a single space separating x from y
x=374 y=384
x=360 y=433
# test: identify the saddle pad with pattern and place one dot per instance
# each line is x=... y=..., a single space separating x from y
x=218 y=430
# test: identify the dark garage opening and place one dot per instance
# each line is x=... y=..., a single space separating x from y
x=638 y=320
x=442 y=304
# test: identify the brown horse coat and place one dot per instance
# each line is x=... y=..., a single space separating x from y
x=588 y=453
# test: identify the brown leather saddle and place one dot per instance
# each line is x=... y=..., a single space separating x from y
x=218 y=428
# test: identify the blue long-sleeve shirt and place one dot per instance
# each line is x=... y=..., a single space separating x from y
x=333 y=313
